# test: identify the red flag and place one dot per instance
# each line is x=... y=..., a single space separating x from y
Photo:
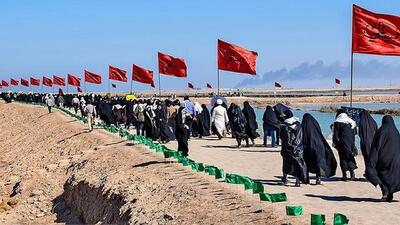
x=236 y=59
x=190 y=85
x=35 y=82
x=58 y=81
x=92 y=77
x=142 y=75
x=113 y=85
x=4 y=83
x=277 y=85
x=74 y=80
x=47 y=82
x=14 y=82
x=79 y=90
x=24 y=82
x=337 y=81
x=209 y=85
x=60 y=91
x=115 y=73
x=375 y=33
x=169 y=65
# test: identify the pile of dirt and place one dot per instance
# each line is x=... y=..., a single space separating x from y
x=53 y=170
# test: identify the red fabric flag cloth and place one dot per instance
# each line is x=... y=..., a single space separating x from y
x=47 y=82
x=60 y=91
x=14 y=82
x=4 y=83
x=113 y=85
x=35 y=82
x=169 y=65
x=337 y=81
x=24 y=82
x=278 y=85
x=58 y=81
x=74 y=80
x=79 y=90
x=142 y=75
x=190 y=85
x=92 y=77
x=236 y=59
x=115 y=73
x=209 y=85
x=375 y=33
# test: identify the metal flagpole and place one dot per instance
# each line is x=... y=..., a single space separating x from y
x=85 y=86
x=351 y=80
x=218 y=80
x=109 y=85
x=131 y=85
x=159 y=84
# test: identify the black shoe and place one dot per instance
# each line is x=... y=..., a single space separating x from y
x=352 y=175
x=389 y=197
x=297 y=183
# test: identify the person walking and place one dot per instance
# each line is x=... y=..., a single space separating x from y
x=270 y=125
x=49 y=102
x=90 y=112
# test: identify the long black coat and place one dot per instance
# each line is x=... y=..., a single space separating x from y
x=292 y=151
x=252 y=125
x=344 y=140
x=318 y=154
x=384 y=156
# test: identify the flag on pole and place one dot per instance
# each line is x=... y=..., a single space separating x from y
x=47 y=82
x=113 y=85
x=4 y=83
x=60 y=81
x=236 y=59
x=14 y=82
x=209 y=85
x=74 y=80
x=337 y=81
x=35 y=82
x=24 y=82
x=60 y=91
x=92 y=77
x=115 y=73
x=78 y=89
x=375 y=33
x=169 y=65
x=190 y=85
x=278 y=85
x=142 y=75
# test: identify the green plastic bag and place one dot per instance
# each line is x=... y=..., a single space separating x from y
x=318 y=219
x=340 y=219
x=294 y=210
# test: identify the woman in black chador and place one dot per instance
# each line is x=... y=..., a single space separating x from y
x=344 y=142
x=384 y=159
x=318 y=155
x=182 y=130
x=251 y=128
x=367 y=130
x=238 y=124
x=292 y=150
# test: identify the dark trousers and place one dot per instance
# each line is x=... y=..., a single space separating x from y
x=49 y=108
x=139 y=128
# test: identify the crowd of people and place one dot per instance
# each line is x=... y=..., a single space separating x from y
x=304 y=149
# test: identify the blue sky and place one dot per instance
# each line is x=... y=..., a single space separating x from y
x=58 y=37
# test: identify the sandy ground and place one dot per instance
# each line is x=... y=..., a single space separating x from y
x=359 y=200
x=60 y=173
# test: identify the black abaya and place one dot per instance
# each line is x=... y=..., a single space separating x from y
x=318 y=155
x=366 y=132
x=252 y=125
x=292 y=151
x=181 y=133
x=239 y=124
x=384 y=156
x=344 y=140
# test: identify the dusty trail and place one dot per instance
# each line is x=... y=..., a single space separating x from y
x=60 y=173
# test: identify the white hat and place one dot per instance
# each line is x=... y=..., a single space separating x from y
x=219 y=101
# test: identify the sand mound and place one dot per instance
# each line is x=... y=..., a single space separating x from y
x=54 y=171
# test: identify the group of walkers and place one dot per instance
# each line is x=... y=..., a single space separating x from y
x=304 y=149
